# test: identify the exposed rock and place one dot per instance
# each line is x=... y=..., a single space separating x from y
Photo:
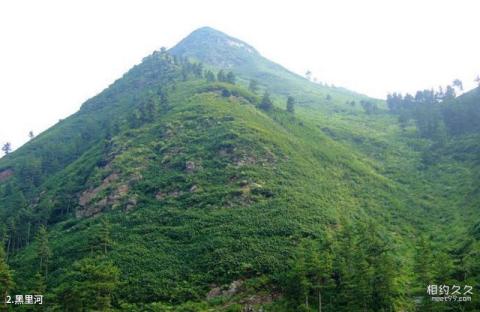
x=233 y=289
x=245 y=160
x=257 y=299
x=175 y=193
x=190 y=166
x=131 y=203
x=160 y=195
x=214 y=292
x=122 y=190
x=90 y=207
x=88 y=195
x=193 y=189
x=5 y=174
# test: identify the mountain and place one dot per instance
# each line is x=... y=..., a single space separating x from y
x=219 y=50
x=169 y=191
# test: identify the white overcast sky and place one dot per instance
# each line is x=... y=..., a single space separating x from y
x=54 y=55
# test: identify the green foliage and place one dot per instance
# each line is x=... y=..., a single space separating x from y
x=221 y=77
x=369 y=107
x=291 y=104
x=253 y=86
x=266 y=104
x=6 y=276
x=44 y=252
x=7 y=148
x=210 y=76
x=89 y=284
x=230 y=78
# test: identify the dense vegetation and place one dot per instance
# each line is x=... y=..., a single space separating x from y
x=210 y=179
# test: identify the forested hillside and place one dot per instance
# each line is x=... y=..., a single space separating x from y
x=209 y=178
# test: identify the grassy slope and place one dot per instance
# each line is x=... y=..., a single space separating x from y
x=252 y=170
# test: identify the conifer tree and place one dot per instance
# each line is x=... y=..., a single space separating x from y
x=99 y=238
x=44 y=252
x=7 y=148
x=291 y=104
x=253 y=86
x=89 y=285
x=210 y=76
x=231 y=78
x=6 y=277
x=266 y=103
x=221 y=76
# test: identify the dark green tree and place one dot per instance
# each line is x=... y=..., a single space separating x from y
x=231 y=78
x=221 y=76
x=253 y=86
x=7 y=148
x=226 y=93
x=89 y=285
x=266 y=103
x=104 y=235
x=210 y=76
x=450 y=93
x=291 y=104
x=424 y=271
x=368 y=106
x=99 y=240
x=6 y=276
x=44 y=253
x=457 y=83
x=298 y=285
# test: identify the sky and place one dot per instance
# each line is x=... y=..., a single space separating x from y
x=54 y=55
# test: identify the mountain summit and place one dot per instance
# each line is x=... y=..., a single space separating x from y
x=215 y=48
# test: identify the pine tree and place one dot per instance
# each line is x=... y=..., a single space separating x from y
x=424 y=271
x=291 y=104
x=99 y=238
x=40 y=288
x=221 y=76
x=89 y=285
x=298 y=286
x=7 y=148
x=231 y=78
x=6 y=276
x=44 y=252
x=105 y=239
x=253 y=86
x=210 y=76
x=266 y=104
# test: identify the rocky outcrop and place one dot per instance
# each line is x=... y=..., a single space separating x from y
x=110 y=193
x=232 y=289
x=5 y=174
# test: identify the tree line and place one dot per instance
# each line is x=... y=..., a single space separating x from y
x=437 y=113
x=88 y=284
